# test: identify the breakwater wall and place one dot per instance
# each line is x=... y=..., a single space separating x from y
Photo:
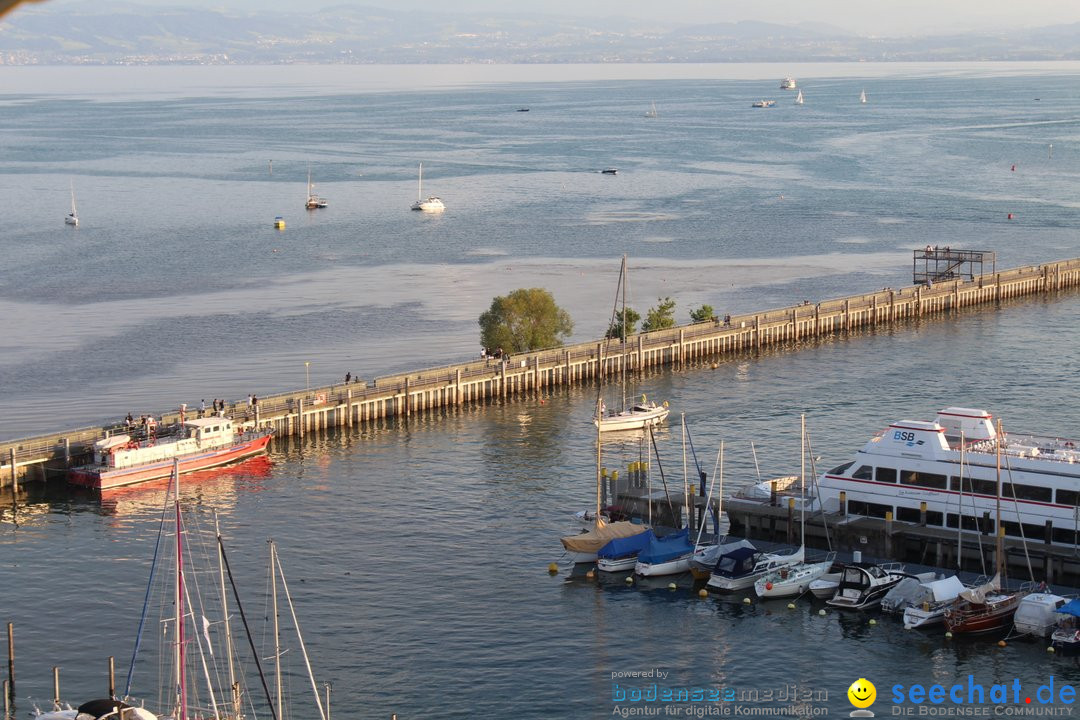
x=305 y=411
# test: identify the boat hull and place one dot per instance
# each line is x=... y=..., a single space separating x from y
x=100 y=478
x=616 y=564
x=967 y=619
x=672 y=567
x=631 y=420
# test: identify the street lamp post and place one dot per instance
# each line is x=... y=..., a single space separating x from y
x=307 y=373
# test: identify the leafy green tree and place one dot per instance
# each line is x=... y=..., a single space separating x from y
x=660 y=317
x=526 y=319
x=616 y=328
x=702 y=314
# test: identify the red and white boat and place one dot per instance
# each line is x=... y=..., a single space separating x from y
x=202 y=443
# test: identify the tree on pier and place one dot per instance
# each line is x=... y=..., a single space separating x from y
x=702 y=314
x=526 y=319
x=660 y=317
x=615 y=330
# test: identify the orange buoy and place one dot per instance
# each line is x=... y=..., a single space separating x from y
x=768 y=586
x=1010 y=216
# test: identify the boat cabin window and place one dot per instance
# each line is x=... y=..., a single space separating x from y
x=922 y=479
x=852 y=575
x=912 y=515
x=1067 y=497
x=970 y=522
x=865 y=472
x=216 y=428
x=1031 y=532
x=857 y=507
x=1067 y=535
x=1026 y=492
x=884 y=474
x=841 y=469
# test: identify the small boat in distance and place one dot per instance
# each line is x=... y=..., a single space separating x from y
x=313 y=200
x=523 y=109
x=799 y=98
x=609 y=171
x=651 y=112
x=73 y=216
x=862 y=97
x=763 y=103
x=279 y=222
x=788 y=83
x=431 y=203
x=198 y=444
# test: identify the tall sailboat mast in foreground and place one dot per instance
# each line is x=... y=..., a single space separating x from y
x=582 y=548
x=640 y=415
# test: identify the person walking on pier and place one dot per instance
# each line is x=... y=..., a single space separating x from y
x=202 y=407
x=348 y=377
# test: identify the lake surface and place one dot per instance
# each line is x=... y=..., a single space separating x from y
x=417 y=552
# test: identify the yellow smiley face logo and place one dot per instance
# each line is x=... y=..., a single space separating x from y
x=862 y=693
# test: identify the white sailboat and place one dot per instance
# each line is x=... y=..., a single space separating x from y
x=862 y=97
x=795 y=580
x=640 y=415
x=799 y=98
x=651 y=112
x=73 y=216
x=582 y=548
x=429 y=204
x=313 y=200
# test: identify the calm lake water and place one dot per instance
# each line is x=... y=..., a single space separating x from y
x=417 y=552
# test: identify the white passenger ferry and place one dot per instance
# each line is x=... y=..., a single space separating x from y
x=951 y=465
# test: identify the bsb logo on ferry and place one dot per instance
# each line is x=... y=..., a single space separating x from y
x=907 y=437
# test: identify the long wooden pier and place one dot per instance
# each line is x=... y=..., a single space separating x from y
x=431 y=390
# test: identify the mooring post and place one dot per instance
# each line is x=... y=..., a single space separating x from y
x=56 y=687
x=112 y=677
x=14 y=476
x=408 y=405
x=300 y=416
x=7 y=701
x=11 y=660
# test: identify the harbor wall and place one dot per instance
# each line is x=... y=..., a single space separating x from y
x=300 y=412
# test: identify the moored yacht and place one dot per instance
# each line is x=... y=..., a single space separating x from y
x=953 y=457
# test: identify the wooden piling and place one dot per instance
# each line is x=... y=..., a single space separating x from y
x=56 y=687
x=112 y=677
x=11 y=660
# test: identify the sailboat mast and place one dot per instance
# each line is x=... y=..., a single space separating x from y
x=622 y=363
x=181 y=674
x=233 y=685
x=277 y=634
x=599 y=477
x=420 y=184
x=999 y=539
x=960 y=508
x=300 y=637
x=802 y=480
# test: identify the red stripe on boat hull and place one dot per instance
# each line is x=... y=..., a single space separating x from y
x=105 y=479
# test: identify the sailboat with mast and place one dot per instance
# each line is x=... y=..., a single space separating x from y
x=799 y=98
x=795 y=580
x=988 y=607
x=313 y=201
x=430 y=203
x=651 y=112
x=862 y=97
x=583 y=547
x=639 y=415
x=73 y=216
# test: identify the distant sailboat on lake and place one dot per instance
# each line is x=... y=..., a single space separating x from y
x=651 y=112
x=862 y=97
x=73 y=216
x=799 y=98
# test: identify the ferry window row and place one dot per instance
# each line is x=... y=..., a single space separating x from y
x=982 y=525
x=956 y=484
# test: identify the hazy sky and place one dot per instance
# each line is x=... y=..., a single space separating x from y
x=879 y=17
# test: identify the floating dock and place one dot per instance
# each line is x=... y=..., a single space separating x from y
x=432 y=390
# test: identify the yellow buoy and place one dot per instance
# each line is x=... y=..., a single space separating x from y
x=672 y=586
x=821 y=613
x=590 y=574
x=703 y=593
x=1001 y=643
x=948 y=634
x=873 y=621
x=791 y=606
x=629 y=579
x=279 y=222
x=746 y=601
x=553 y=568
x=1051 y=649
